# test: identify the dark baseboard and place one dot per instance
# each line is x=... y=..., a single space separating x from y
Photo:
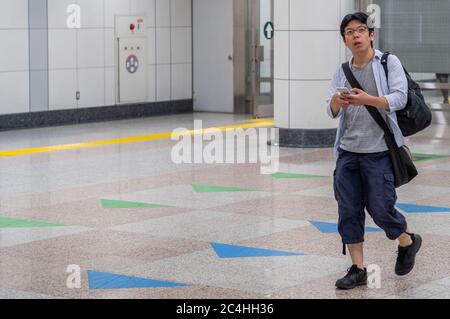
x=307 y=138
x=93 y=114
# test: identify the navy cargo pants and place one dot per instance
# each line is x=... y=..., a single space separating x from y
x=366 y=181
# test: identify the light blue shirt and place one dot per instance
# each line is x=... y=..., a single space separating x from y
x=396 y=94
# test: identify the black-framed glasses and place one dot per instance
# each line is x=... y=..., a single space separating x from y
x=361 y=30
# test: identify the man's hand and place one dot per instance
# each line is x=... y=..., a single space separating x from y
x=338 y=101
x=359 y=97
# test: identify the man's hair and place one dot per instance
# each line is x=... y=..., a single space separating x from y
x=361 y=17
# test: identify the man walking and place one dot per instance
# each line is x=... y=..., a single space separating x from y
x=364 y=177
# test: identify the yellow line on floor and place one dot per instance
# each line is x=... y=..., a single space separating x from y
x=132 y=139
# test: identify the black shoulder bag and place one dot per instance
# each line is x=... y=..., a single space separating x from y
x=404 y=169
x=416 y=116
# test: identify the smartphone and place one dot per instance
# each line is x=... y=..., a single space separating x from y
x=343 y=90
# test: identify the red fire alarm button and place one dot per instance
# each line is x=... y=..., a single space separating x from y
x=132 y=27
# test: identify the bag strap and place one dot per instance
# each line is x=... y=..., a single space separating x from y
x=372 y=110
x=384 y=63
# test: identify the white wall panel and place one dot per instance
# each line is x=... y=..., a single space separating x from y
x=14 y=50
x=162 y=45
x=14 y=14
x=14 y=92
x=281 y=57
x=92 y=13
x=91 y=48
x=181 y=45
x=181 y=13
x=91 y=84
x=163 y=82
x=311 y=58
x=281 y=100
x=62 y=89
x=163 y=13
x=281 y=14
x=307 y=105
x=181 y=81
x=314 y=15
x=62 y=49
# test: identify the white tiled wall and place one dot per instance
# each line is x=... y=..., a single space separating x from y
x=281 y=100
x=92 y=84
x=91 y=46
x=281 y=58
x=181 y=43
x=84 y=59
x=92 y=13
x=163 y=45
x=110 y=85
x=163 y=85
x=151 y=46
x=14 y=50
x=319 y=60
x=304 y=15
x=14 y=61
x=14 y=88
x=281 y=14
x=181 y=13
x=307 y=52
x=14 y=14
x=307 y=106
x=181 y=80
x=62 y=49
x=63 y=85
x=162 y=13
x=151 y=82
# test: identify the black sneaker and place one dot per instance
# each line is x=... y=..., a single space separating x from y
x=355 y=277
x=407 y=256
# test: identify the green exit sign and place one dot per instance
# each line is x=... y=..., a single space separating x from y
x=268 y=30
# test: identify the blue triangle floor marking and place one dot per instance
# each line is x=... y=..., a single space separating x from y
x=331 y=228
x=410 y=208
x=234 y=251
x=104 y=280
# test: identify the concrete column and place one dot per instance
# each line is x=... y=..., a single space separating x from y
x=38 y=46
x=308 y=48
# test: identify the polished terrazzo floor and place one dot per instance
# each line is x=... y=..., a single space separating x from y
x=139 y=226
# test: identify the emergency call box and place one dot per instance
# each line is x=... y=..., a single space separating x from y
x=131 y=54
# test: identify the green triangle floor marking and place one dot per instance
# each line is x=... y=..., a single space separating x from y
x=111 y=203
x=419 y=157
x=200 y=188
x=8 y=222
x=281 y=175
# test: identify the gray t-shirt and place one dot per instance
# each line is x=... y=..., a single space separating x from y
x=362 y=134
